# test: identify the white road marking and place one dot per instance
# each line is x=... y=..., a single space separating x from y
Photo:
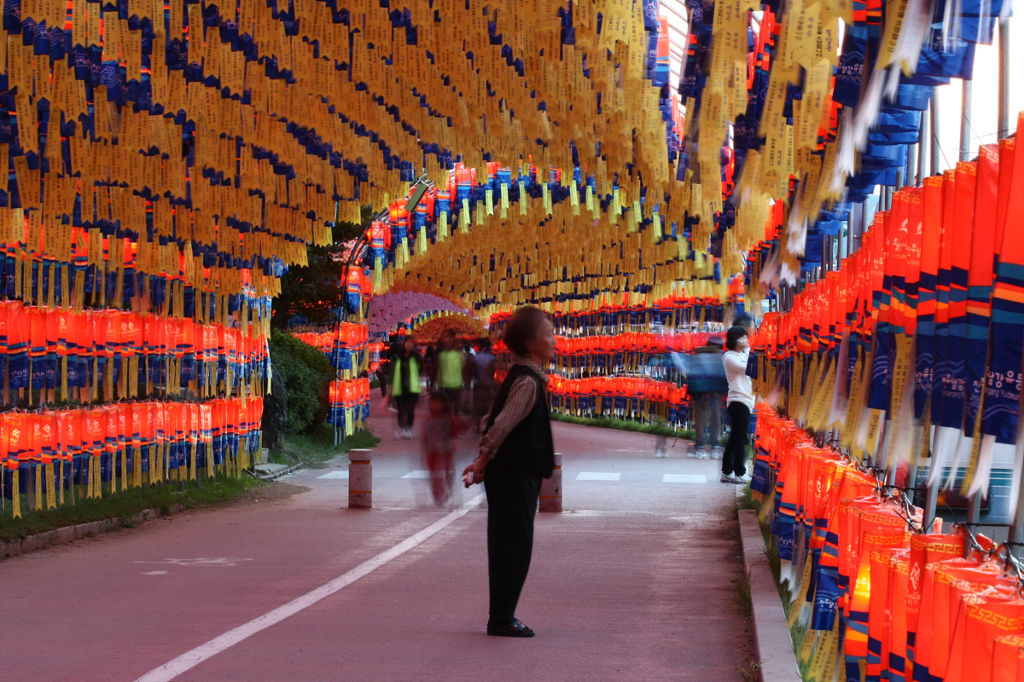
x=200 y=561
x=597 y=476
x=156 y=573
x=334 y=474
x=425 y=474
x=191 y=659
x=684 y=478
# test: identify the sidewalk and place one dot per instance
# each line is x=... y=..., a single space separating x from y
x=633 y=581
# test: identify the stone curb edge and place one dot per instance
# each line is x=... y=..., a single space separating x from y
x=71 y=533
x=774 y=646
x=270 y=477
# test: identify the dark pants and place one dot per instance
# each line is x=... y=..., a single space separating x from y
x=511 y=505
x=406 y=404
x=454 y=396
x=736 y=447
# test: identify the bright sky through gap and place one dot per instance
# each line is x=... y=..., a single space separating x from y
x=984 y=97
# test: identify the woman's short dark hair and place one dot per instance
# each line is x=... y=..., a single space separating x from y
x=733 y=336
x=524 y=326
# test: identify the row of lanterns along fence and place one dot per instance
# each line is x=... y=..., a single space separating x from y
x=57 y=457
x=874 y=588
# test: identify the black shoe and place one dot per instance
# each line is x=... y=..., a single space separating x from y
x=516 y=629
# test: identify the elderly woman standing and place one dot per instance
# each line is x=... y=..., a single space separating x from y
x=516 y=452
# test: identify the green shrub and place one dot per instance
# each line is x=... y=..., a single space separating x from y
x=307 y=375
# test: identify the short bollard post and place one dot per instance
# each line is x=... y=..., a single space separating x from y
x=360 y=479
x=551 y=488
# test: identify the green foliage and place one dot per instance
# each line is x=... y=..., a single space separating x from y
x=745 y=501
x=307 y=374
x=126 y=504
x=313 y=291
x=315 y=449
x=624 y=425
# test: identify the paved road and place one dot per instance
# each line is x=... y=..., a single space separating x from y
x=635 y=581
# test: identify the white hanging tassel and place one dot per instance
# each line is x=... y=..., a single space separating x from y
x=787 y=275
x=891 y=88
x=951 y=24
x=867 y=111
x=846 y=158
x=796 y=230
x=770 y=269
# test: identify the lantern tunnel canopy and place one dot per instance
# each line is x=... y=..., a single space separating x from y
x=568 y=174
x=431 y=329
x=397 y=307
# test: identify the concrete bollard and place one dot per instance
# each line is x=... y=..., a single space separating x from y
x=360 y=479
x=551 y=488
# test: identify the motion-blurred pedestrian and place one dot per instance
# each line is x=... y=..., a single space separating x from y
x=405 y=388
x=450 y=365
x=481 y=371
x=707 y=385
x=429 y=368
x=440 y=430
x=516 y=452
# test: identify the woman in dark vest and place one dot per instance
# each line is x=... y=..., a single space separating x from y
x=516 y=452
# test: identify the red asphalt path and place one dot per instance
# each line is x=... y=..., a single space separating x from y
x=634 y=581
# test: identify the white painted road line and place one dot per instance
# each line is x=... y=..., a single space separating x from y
x=597 y=476
x=334 y=474
x=417 y=474
x=684 y=478
x=189 y=660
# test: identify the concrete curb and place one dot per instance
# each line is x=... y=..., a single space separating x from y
x=772 y=640
x=283 y=472
x=62 y=536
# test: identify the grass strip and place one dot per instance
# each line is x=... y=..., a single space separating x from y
x=624 y=425
x=127 y=504
x=314 y=450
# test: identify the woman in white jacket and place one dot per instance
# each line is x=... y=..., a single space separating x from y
x=740 y=404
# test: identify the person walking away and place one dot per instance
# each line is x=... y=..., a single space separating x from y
x=516 y=452
x=740 y=404
x=450 y=365
x=383 y=372
x=406 y=367
x=481 y=370
x=429 y=368
x=439 y=433
x=707 y=385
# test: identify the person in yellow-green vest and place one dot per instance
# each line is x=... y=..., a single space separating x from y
x=451 y=364
x=406 y=367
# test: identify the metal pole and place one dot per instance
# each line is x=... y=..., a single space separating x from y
x=965 y=123
x=1004 y=78
x=924 y=146
x=974 y=505
x=911 y=165
x=1017 y=525
x=973 y=516
x=933 y=115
